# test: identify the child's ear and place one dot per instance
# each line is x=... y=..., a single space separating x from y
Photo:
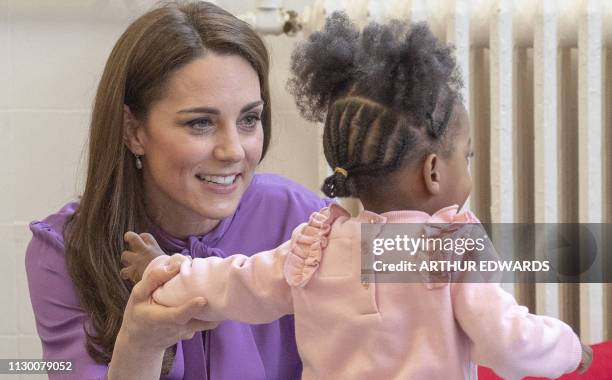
x=132 y=132
x=431 y=174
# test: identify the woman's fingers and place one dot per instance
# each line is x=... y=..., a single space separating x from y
x=178 y=259
x=188 y=311
x=198 y=325
x=193 y=326
x=186 y=335
x=158 y=273
x=186 y=315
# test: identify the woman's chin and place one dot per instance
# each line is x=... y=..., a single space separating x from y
x=216 y=210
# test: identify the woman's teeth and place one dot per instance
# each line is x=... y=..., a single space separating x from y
x=227 y=180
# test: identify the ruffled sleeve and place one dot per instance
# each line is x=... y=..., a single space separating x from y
x=308 y=244
x=60 y=319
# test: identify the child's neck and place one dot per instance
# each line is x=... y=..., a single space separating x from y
x=403 y=190
x=382 y=205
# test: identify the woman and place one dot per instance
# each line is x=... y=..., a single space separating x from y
x=180 y=121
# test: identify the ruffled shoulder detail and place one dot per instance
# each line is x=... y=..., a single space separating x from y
x=307 y=244
x=447 y=223
x=451 y=214
x=46 y=233
x=50 y=230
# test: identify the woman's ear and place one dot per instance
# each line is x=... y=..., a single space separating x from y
x=431 y=174
x=132 y=132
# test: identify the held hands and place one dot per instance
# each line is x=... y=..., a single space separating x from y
x=143 y=318
x=148 y=329
x=143 y=249
x=149 y=326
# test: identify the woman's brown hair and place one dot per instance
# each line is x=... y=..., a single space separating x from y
x=153 y=46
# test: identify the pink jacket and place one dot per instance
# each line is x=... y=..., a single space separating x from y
x=345 y=330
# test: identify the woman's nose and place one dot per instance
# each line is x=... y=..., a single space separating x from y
x=229 y=147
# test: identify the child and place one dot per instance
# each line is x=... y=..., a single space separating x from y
x=397 y=135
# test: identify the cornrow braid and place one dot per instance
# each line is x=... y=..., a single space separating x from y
x=386 y=95
x=355 y=138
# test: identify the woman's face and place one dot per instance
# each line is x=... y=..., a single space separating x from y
x=201 y=143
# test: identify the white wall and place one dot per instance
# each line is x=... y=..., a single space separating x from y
x=51 y=57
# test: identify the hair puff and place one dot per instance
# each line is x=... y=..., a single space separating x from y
x=324 y=66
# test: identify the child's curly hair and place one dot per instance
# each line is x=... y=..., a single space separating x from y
x=386 y=96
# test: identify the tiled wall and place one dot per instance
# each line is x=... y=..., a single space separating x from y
x=51 y=57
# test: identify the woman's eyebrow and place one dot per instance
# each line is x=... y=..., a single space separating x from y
x=201 y=110
x=251 y=105
x=216 y=111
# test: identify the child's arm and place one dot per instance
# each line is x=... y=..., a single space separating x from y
x=509 y=340
x=246 y=289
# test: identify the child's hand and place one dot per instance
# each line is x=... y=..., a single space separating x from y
x=587 y=358
x=143 y=249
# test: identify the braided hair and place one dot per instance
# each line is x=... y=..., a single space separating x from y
x=385 y=94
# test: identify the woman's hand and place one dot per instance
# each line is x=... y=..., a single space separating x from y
x=143 y=249
x=151 y=325
x=148 y=328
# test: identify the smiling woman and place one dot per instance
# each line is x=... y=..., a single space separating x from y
x=200 y=144
x=180 y=122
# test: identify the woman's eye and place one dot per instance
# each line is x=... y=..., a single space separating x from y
x=249 y=122
x=200 y=124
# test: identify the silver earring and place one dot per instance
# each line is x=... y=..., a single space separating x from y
x=138 y=162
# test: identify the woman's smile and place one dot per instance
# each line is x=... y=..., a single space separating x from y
x=219 y=183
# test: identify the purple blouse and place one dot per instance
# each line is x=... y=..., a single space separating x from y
x=269 y=210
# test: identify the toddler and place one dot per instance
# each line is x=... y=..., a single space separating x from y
x=397 y=135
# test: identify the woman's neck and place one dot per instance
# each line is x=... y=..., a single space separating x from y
x=180 y=223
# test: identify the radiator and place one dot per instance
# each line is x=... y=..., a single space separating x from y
x=538 y=77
